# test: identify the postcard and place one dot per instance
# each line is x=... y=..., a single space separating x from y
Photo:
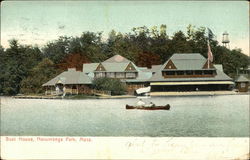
x=124 y=80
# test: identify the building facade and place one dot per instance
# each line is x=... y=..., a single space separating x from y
x=69 y=82
x=189 y=72
x=242 y=84
x=182 y=72
x=76 y=82
x=121 y=68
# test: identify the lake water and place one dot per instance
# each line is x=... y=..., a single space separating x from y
x=196 y=116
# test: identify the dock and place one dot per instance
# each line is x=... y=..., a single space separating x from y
x=37 y=97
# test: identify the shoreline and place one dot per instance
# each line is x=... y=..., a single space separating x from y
x=152 y=94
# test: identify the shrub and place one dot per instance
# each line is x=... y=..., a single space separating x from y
x=109 y=84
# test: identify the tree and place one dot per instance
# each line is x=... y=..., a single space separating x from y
x=146 y=59
x=89 y=44
x=2 y=70
x=109 y=84
x=39 y=75
x=142 y=45
x=73 y=61
x=179 y=44
x=57 y=50
x=18 y=60
x=118 y=43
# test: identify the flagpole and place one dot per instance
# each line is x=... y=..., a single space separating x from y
x=208 y=66
x=207 y=48
x=209 y=52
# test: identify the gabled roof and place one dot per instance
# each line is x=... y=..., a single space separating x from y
x=187 y=61
x=143 y=75
x=242 y=78
x=116 y=59
x=116 y=67
x=70 y=77
x=89 y=67
x=109 y=67
x=221 y=76
x=187 y=56
x=116 y=63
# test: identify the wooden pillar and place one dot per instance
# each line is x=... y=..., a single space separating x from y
x=71 y=88
x=77 y=89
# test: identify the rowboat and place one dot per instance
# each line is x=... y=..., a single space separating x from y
x=166 y=107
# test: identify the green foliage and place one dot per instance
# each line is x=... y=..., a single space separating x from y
x=16 y=62
x=2 y=71
x=109 y=84
x=144 y=46
x=57 y=50
x=40 y=74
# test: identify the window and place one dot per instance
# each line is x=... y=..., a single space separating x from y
x=100 y=74
x=208 y=72
x=198 y=72
x=189 y=72
x=111 y=74
x=243 y=85
x=180 y=72
x=120 y=75
x=130 y=75
x=170 y=73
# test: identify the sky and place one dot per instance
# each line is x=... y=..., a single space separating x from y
x=38 y=22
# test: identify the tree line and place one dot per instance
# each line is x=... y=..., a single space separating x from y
x=24 y=68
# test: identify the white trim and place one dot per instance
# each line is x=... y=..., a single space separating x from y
x=190 y=83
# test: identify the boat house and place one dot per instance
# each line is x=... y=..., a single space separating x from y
x=71 y=81
x=121 y=68
x=182 y=72
x=76 y=82
x=242 y=83
x=189 y=72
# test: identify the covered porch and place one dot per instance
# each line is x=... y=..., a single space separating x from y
x=191 y=86
x=67 y=89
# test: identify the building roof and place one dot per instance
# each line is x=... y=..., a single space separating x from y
x=187 y=61
x=187 y=56
x=218 y=67
x=143 y=76
x=109 y=67
x=157 y=77
x=242 y=78
x=117 y=59
x=155 y=68
x=116 y=67
x=89 y=67
x=116 y=63
x=70 y=77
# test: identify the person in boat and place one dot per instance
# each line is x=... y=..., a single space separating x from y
x=151 y=104
x=140 y=103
